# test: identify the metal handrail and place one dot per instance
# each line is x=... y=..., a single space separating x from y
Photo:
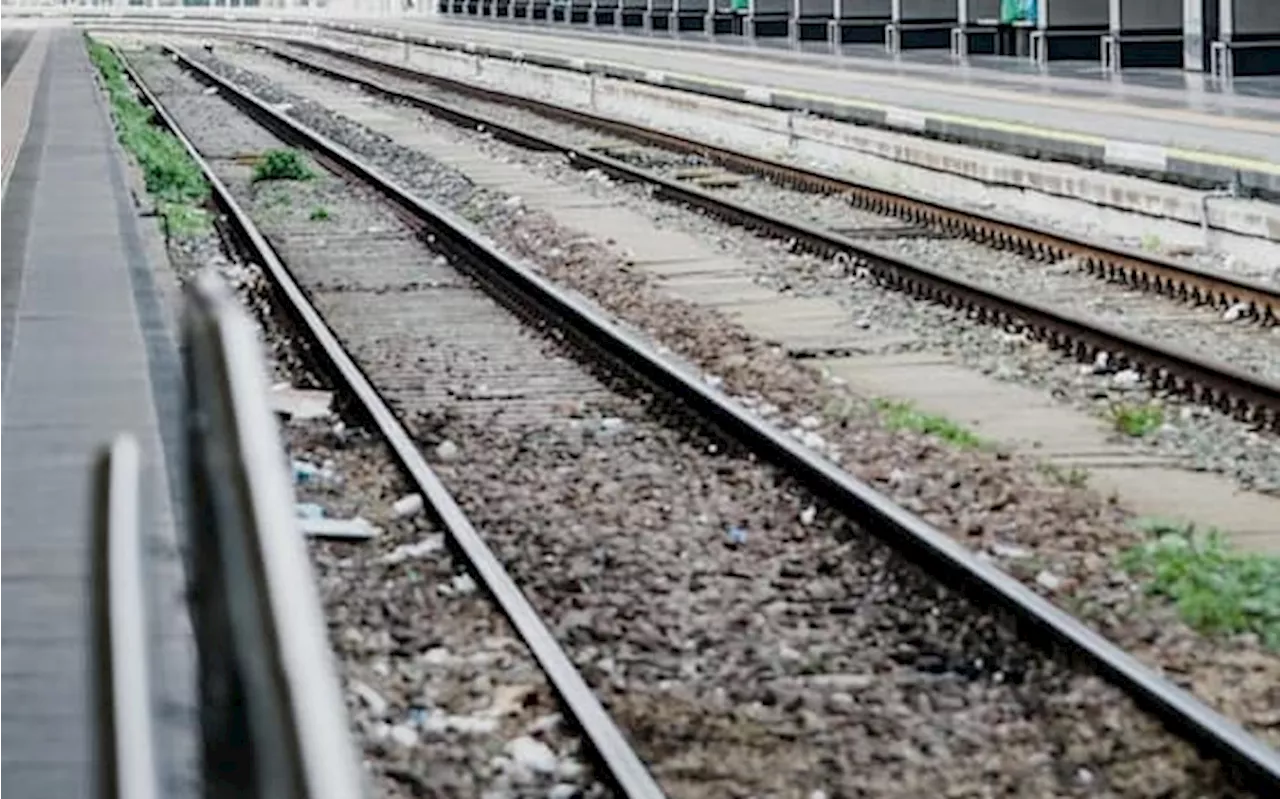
x=126 y=736
x=274 y=724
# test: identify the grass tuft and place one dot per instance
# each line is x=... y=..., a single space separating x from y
x=1215 y=588
x=899 y=415
x=1136 y=420
x=319 y=213
x=282 y=165
x=172 y=178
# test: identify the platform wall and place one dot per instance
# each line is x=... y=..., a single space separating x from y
x=816 y=8
x=772 y=7
x=1256 y=16
x=1072 y=13
x=913 y=10
x=874 y=9
x=1140 y=15
x=981 y=9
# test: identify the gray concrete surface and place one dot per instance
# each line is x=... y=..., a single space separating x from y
x=1201 y=138
x=87 y=356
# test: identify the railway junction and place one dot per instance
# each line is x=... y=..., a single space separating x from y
x=517 y=399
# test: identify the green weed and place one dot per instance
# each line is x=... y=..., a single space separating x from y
x=1074 y=477
x=899 y=415
x=319 y=213
x=1151 y=242
x=282 y=165
x=1215 y=588
x=1136 y=420
x=172 y=178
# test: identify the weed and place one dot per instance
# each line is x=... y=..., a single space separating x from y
x=172 y=178
x=1075 y=477
x=900 y=415
x=1215 y=588
x=1151 y=242
x=839 y=410
x=184 y=220
x=1136 y=420
x=319 y=213
x=282 y=165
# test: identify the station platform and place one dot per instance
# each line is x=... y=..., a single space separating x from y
x=1183 y=124
x=88 y=353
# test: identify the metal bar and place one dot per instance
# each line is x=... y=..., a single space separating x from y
x=1254 y=761
x=261 y=634
x=126 y=743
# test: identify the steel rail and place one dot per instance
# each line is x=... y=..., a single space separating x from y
x=1109 y=261
x=625 y=768
x=1234 y=391
x=1247 y=758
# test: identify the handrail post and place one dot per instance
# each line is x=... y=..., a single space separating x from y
x=275 y=725
x=126 y=744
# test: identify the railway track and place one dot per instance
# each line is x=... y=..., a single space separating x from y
x=398 y=293
x=672 y=166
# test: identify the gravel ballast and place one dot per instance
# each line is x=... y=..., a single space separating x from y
x=1027 y=522
x=1191 y=435
x=443 y=697
x=750 y=642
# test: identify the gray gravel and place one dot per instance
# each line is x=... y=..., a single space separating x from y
x=456 y=707
x=989 y=501
x=749 y=641
x=1194 y=436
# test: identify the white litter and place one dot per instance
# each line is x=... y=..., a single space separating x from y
x=1048 y=581
x=406 y=506
x=300 y=403
x=356 y=529
x=418 y=549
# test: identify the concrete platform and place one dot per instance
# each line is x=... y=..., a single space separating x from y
x=683 y=266
x=1185 y=134
x=87 y=354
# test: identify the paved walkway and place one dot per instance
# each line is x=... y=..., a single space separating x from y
x=86 y=356
x=1233 y=125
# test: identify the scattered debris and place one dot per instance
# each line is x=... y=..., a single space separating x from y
x=306 y=472
x=300 y=404
x=211 y=90
x=308 y=510
x=533 y=755
x=808 y=515
x=447 y=451
x=347 y=529
x=418 y=549
x=1235 y=312
x=404 y=735
x=464 y=584
x=1048 y=581
x=1127 y=378
x=371 y=698
x=508 y=700
x=467 y=725
x=737 y=535
x=1009 y=551
x=406 y=506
